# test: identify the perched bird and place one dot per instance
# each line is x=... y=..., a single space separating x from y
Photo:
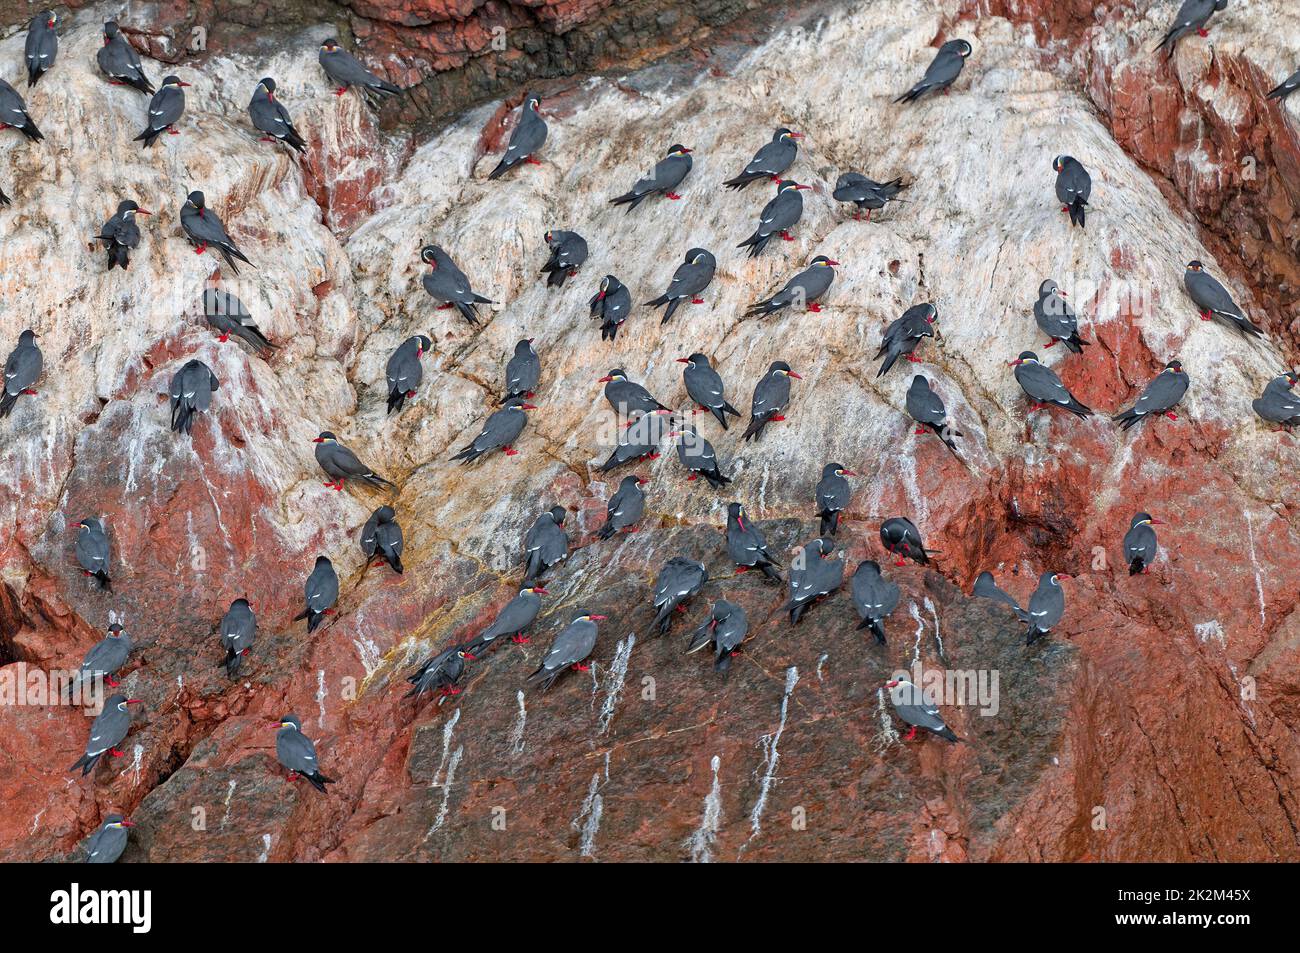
x=1192 y=16
x=867 y=194
x=381 y=538
x=1043 y=387
x=813 y=575
x=689 y=281
x=1056 y=319
x=517 y=615
x=611 y=304
x=40 y=50
x=121 y=234
x=1276 y=405
x=942 y=71
x=296 y=752
x=903 y=540
x=698 y=456
x=321 y=592
x=238 y=629
x=92 y=551
x=874 y=596
x=833 y=494
x=1073 y=188
x=905 y=333
x=1160 y=396
x=523 y=370
x=527 y=137
x=1282 y=90
x=105 y=658
x=342 y=464
x=679 y=581
x=625 y=507
x=926 y=408
x=165 y=110
x=227 y=315
x=440 y=674
x=571 y=647
x=1213 y=300
x=13 y=113
x=913 y=710
x=203 y=228
x=191 y=391
x=747 y=546
x=803 y=289
x=22 y=369
x=986 y=588
x=704 y=386
x=771 y=397
x=106 y=732
x=344 y=70
x=271 y=119
x=640 y=439
x=1046 y=606
x=119 y=61
x=626 y=396
x=447 y=284
x=105 y=846
x=568 y=252
x=770 y=161
x=1140 y=543
x=778 y=216
x=499 y=432
x=546 y=544
x=726 y=629
x=663 y=178
x=404 y=371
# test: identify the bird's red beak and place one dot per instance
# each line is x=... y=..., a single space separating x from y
x=831 y=261
x=317 y=439
x=182 y=83
x=604 y=380
x=527 y=406
x=850 y=473
x=1015 y=362
x=1062 y=293
x=134 y=701
x=802 y=188
x=545 y=592
x=796 y=135
x=143 y=211
x=794 y=375
x=740 y=521
x=1158 y=522
x=598 y=618
x=1063 y=575
x=642 y=481
x=891 y=684
x=683 y=360
x=126 y=823
x=684 y=149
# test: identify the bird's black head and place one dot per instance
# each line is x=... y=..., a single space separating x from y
x=735 y=509
x=173 y=81
x=290 y=721
x=617 y=373
x=326 y=436
x=127 y=206
x=784 y=133
x=699 y=256
x=51 y=20
x=425 y=344
x=677 y=149
x=27 y=337
x=110 y=29
x=1046 y=288
x=832 y=469
x=268 y=84
x=1194 y=266
x=114 y=630
x=430 y=254
x=921 y=382
x=789 y=185
x=1175 y=365
x=557 y=514
x=242 y=603
x=960 y=47
x=323 y=561
x=780 y=366
x=825 y=545
x=385 y=514
x=533 y=101
x=630 y=481
x=1060 y=161
x=330 y=45
x=699 y=360
x=870 y=564
x=1026 y=357
x=823 y=260
x=1140 y=518
x=524 y=346
x=197 y=200
x=1291 y=378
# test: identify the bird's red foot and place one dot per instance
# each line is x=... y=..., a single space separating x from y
x=901 y=562
x=777 y=418
x=691 y=477
x=1051 y=343
x=410 y=393
x=911 y=734
x=815 y=308
x=1206 y=315
x=293 y=775
x=1203 y=32
x=30 y=392
x=268 y=139
x=573 y=272
x=116 y=754
x=223 y=338
x=919 y=431
x=173 y=132
x=1171 y=415
x=531 y=161
x=672 y=195
x=581 y=668
x=742 y=569
x=111 y=682
x=697 y=301
x=521 y=640
x=340 y=91
x=914 y=359
x=857 y=216
x=1037 y=407
x=444 y=307
x=200 y=249
x=787 y=236
x=510 y=451
x=1065 y=208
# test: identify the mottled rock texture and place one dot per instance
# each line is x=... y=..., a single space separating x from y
x=1169 y=701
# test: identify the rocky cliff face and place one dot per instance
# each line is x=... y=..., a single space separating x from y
x=1158 y=721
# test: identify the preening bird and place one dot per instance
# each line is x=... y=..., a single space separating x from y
x=238 y=630
x=440 y=674
x=1056 y=319
x=447 y=284
x=119 y=61
x=165 y=110
x=905 y=333
x=662 y=180
x=203 y=227
x=191 y=391
x=42 y=45
x=381 y=538
x=913 y=710
x=527 y=137
x=725 y=629
x=546 y=544
x=93 y=552
x=404 y=372
x=345 y=70
x=942 y=71
x=747 y=546
x=640 y=439
x=926 y=408
x=121 y=234
x=679 y=581
x=271 y=119
x=903 y=540
x=813 y=575
x=568 y=250
x=867 y=194
x=611 y=304
x=770 y=161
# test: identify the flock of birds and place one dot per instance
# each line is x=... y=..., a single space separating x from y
x=813 y=574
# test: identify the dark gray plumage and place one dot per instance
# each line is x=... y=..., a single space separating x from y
x=1073 y=188
x=1285 y=88
x=106 y=732
x=342 y=464
x=666 y=176
x=905 y=333
x=22 y=369
x=13 y=113
x=813 y=575
x=626 y=396
x=903 y=540
x=546 y=544
x=867 y=194
x=42 y=45
x=121 y=234
x=345 y=70
x=986 y=588
x=165 y=110
x=105 y=658
x=1160 y=396
x=769 y=161
x=771 y=397
x=1193 y=16
x=1042 y=385
x=803 y=289
x=747 y=546
x=92 y=551
x=679 y=581
x=404 y=372
x=625 y=507
x=446 y=283
x=926 y=408
x=119 y=61
x=1214 y=301
x=704 y=386
x=527 y=137
x=499 y=432
x=238 y=630
x=381 y=538
x=320 y=593
x=611 y=304
x=942 y=71
x=1140 y=544
x=832 y=495
x=1277 y=404
x=517 y=615
x=1046 y=606
x=440 y=674
x=523 y=370
x=568 y=250
x=640 y=439
x=108 y=842
x=191 y=392
x=875 y=597
x=227 y=315
x=912 y=708
x=571 y=647
x=778 y=216
x=698 y=456
x=1056 y=319
x=689 y=281
x=296 y=752
x=726 y=629
x=271 y=119
x=203 y=227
